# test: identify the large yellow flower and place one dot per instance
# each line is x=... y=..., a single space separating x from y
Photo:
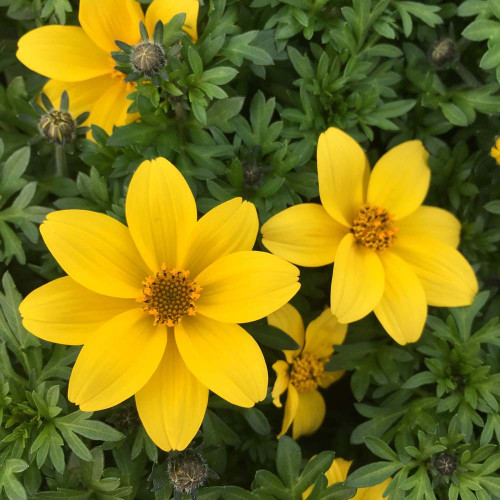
x=155 y=304
x=392 y=255
x=303 y=371
x=79 y=60
x=337 y=473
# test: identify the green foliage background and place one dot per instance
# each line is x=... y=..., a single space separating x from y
x=240 y=115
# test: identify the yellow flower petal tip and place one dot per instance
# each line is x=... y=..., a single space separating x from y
x=303 y=372
x=495 y=151
x=364 y=219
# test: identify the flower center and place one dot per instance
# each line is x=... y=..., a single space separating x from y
x=306 y=372
x=169 y=296
x=373 y=227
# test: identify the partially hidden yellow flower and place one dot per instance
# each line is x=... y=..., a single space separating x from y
x=304 y=369
x=155 y=304
x=495 y=151
x=337 y=473
x=78 y=59
x=392 y=255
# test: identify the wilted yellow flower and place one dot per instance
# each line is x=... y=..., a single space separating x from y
x=78 y=59
x=155 y=304
x=304 y=369
x=392 y=255
x=495 y=151
x=337 y=473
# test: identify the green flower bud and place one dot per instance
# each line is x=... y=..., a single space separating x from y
x=148 y=58
x=58 y=126
x=187 y=470
x=442 y=52
x=446 y=464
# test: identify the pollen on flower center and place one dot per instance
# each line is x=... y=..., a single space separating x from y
x=169 y=295
x=373 y=227
x=306 y=372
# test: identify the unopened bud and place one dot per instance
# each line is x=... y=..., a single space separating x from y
x=187 y=470
x=148 y=58
x=442 y=52
x=58 y=126
x=446 y=464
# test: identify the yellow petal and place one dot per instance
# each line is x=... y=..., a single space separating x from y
x=328 y=378
x=161 y=212
x=282 y=379
x=288 y=319
x=303 y=234
x=117 y=361
x=65 y=312
x=373 y=492
x=173 y=402
x=164 y=10
x=400 y=179
x=324 y=332
x=403 y=308
x=64 y=53
x=447 y=278
x=111 y=108
x=338 y=471
x=82 y=95
x=431 y=221
x=111 y=20
x=358 y=281
x=224 y=358
x=246 y=286
x=96 y=251
x=230 y=227
x=342 y=175
x=291 y=407
x=310 y=414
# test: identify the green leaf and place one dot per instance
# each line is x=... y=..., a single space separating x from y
x=134 y=134
x=381 y=449
x=372 y=474
x=420 y=379
x=288 y=460
x=493 y=207
x=272 y=337
x=219 y=75
x=79 y=423
x=454 y=114
x=257 y=421
x=316 y=466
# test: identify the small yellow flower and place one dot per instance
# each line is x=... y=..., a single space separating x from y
x=304 y=369
x=392 y=255
x=337 y=473
x=495 y=151
x=155 y=304
x=78 y=59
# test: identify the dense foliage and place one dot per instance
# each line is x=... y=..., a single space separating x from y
x=239 y=113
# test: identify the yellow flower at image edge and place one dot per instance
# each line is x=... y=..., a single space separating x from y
x=303 y=371
x=78 y=59
x=495 y=151
x=155 y=304
x=337 y=473
x=392 y=255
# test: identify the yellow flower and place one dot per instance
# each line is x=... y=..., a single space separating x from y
x=303 y=371
x=78 y=59
x=392 y=255
x=155 y=304
x=495 y=151
x=337 y=473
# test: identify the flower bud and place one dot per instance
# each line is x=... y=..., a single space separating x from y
x=58 y=126
x=148 y=58
x=446 y=464
x=187 y=470
x=442 y=52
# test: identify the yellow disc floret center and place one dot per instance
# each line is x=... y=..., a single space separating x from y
x=306 y=372
x=169 y=295
x=373 y=227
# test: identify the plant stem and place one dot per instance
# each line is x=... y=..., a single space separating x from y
x=61 y=163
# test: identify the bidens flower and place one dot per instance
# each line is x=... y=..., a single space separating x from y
x=155 y=304
x=337 y=473
x=495 y=151
x=392 y=255
x=304 y=369
x=79 y=60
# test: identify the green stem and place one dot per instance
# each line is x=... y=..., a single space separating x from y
x=61 y=163
x=466 y=75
